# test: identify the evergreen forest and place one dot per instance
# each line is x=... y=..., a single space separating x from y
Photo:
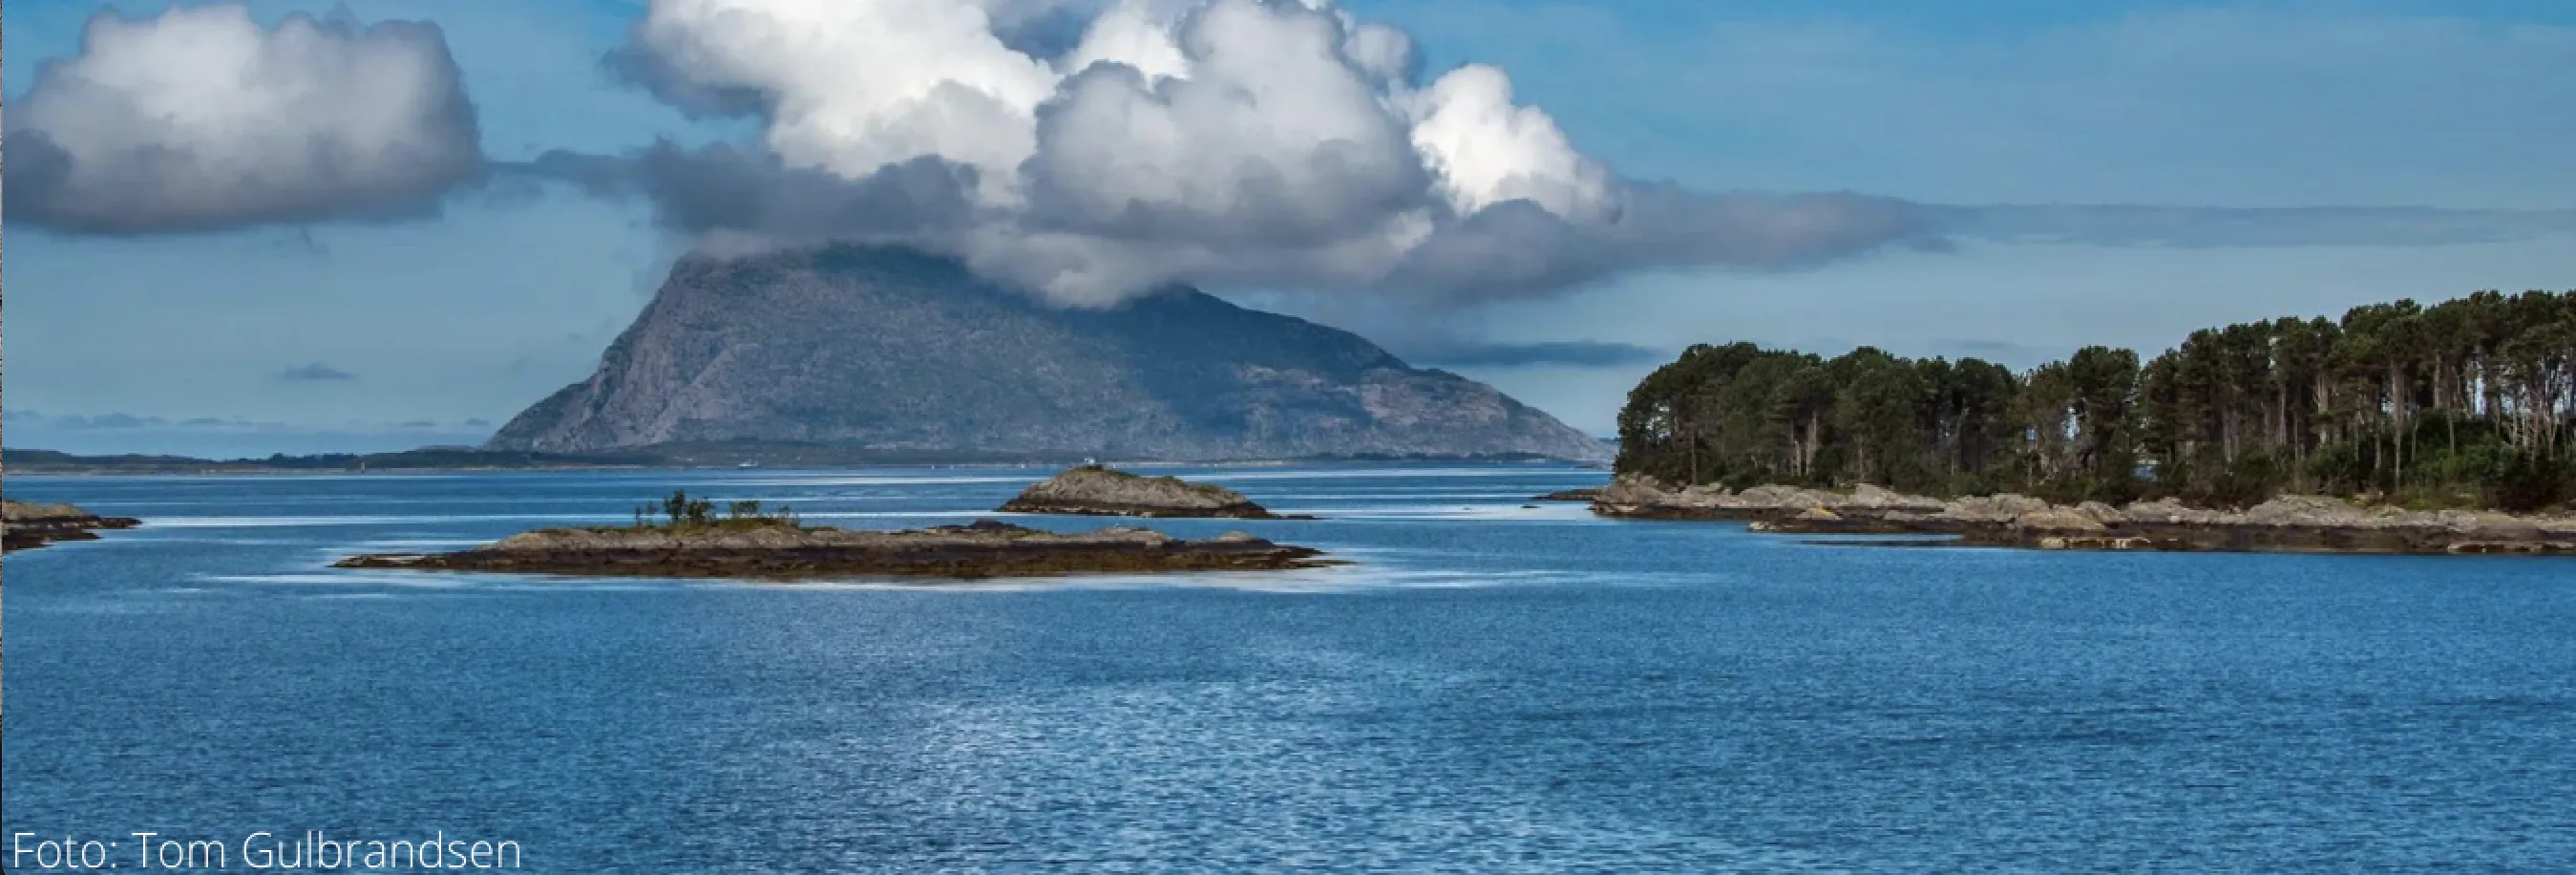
x=2466 y=403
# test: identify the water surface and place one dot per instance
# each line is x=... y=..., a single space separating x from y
x=1491 y=688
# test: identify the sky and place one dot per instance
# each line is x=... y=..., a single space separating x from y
x=2209 y=163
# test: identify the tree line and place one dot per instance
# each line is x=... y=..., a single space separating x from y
x=2470 y=402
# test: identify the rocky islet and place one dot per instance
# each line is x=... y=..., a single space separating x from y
x=780 y=550
x=1097 y=490
x=35 y=525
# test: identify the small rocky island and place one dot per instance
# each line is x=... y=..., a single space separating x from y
x=1096 y=490
x=2287 y=524
x=35 y=525
x=750 y=543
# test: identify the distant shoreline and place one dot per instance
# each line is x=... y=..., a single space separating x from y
x=2285 y=524
x=445 y=460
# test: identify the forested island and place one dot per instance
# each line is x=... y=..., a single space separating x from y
x=2399 y=428
x=2465 y=404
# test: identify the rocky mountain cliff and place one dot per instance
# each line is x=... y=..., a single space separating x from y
x=890 y=349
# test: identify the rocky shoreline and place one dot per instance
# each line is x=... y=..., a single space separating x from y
x=785 y=551
x=1096 y=490
x=35 y=525
x=2288 y=524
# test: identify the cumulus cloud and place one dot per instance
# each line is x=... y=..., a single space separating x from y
x=1262 y=132
x=1490 y=150
x=315 y=371
x=202 y=119
x=1218 y=142
x=850 y=87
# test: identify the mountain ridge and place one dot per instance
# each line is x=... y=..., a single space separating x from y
x=894 y=349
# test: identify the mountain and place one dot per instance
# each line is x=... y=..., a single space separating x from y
x=895 y=350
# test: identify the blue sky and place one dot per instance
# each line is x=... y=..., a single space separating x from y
x=443 y=326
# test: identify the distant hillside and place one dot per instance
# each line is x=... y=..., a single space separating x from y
x=56 y=462
x=724 y=454
x=892 y=350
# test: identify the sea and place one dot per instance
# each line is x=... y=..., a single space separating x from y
x=1491 y=685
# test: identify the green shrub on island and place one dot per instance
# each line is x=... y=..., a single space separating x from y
x=2469 y=403
x=681 y=512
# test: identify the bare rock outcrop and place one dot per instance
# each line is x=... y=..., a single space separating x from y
x=1096 y=490
x=2290 y=523
x=2170 y=511
x=2059 y=521
x=24 y=525
x=1997 y=509
x=1869 y=497
x=1646 y=497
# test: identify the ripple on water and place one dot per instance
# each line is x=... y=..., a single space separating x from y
x=1489 y=688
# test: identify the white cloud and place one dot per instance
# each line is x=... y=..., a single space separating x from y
x=1489 y=150
x=1272 y=133
x=855 y=85
x=1212 y=142
x=1129 y=34
x=202 y=119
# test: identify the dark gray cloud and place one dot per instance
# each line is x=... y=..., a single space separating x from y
x=315 y=371
x=201 y=119
x=1562 y=353
x=1513 y=249
x=106 y=421
x=722 y=188
x=1517 y=249
x=668 y=82
x=2205 y=227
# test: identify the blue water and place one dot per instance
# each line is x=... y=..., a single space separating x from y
x=1491 y=688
